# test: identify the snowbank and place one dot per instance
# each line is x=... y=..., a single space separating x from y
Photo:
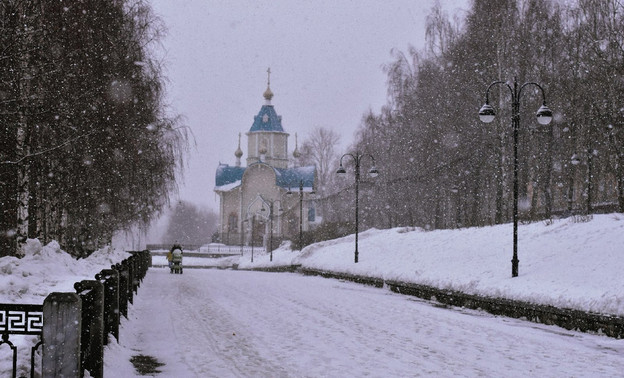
x=567 y=264
x=43 y=270
x=46 y=269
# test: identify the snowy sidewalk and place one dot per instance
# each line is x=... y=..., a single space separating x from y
x=221 y=323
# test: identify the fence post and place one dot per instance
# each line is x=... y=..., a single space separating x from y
x=92 y=295
x=61 y=344
x=110 y=279
x=144 y=259
x=135 y=263
x=127 y=265
x=123 y=289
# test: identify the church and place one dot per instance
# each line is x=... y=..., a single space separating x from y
x=269 y=200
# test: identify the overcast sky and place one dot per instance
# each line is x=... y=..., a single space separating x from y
x=326 y=59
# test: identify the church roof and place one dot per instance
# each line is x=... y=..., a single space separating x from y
x=229 y=177
x=290 y=177
x=267 y=120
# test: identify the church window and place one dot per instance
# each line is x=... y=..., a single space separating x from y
x=233 y=223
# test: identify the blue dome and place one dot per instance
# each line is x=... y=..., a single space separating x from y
x=267 y=120
x=228 y=177
x=291 y=177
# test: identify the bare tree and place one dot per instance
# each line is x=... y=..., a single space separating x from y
x=440 y=167
x=319 y=149
x=190 y=224
x=86 y=147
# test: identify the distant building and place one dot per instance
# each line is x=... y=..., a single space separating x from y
x=267 y=190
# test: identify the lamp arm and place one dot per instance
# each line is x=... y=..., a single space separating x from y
x=348 y=154
x=487 y=92
x=537 y=85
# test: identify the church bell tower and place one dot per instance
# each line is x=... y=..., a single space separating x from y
x=266 y=140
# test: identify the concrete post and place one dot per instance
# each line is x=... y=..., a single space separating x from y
x=93 y=325
x=110 y=279
x=123 y=289
x=61 y=335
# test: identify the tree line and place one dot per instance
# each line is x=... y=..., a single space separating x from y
x=86 y=146
x=190 y=224
x=441 y=167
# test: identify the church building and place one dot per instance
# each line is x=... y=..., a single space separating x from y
x=269 y=199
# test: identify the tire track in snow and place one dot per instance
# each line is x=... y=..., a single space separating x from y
x=238 y=324
x=229 y=347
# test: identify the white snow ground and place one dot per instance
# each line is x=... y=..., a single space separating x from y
x=224 y=323
x=566 y=264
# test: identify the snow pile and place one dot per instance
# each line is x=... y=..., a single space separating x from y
x=43 y=270
x=567 y=264
x=46 y=269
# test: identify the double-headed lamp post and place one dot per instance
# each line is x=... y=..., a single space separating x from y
x=357 y=158
x=271 y=202
x=544 y=116
x=289 y=192
x=271 y=216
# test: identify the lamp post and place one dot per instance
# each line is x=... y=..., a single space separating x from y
x=357 y=158
x=300 y=214
x=253 y=227
x=289 y=192
x=249 y=222
x=271 y=217
x=271 y=226
x=544 y=116
x=576 y=160
x=242 y=236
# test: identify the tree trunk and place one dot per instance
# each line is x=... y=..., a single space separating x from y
x=22 y=148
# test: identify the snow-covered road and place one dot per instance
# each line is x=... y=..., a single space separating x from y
x=223 y=323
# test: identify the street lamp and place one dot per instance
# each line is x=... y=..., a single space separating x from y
x=253 y=236
x=576 y=160
x=271 y=225
x=271 y=216
x=289 y=192
x=357 y=158
x=544 y=116
x=270 y=228
x=242 y=236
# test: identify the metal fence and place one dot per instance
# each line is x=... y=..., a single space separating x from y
x=21 y=319
x=212 y=249
x=95 y=312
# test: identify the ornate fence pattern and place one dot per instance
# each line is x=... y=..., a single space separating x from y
x=21 y=319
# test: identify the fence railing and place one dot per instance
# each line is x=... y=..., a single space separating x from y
x=166 y=247
x=217 y=252
x=210 y=249
x=21 y=319
x=74 y=327
x=230 y=249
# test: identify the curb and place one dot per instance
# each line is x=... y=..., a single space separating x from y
x=570 y=319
